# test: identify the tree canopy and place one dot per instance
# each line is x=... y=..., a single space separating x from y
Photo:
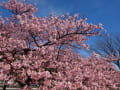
x=51 y=64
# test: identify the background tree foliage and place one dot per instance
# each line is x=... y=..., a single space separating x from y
x=108 y=46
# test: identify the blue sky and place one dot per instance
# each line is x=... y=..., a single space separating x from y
x=97 y=11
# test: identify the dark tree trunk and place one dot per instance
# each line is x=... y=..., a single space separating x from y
x=4 y=87
x=118 y=64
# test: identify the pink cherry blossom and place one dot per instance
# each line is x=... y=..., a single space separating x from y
x=39 y=50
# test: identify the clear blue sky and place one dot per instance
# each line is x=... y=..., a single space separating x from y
x=106 y=12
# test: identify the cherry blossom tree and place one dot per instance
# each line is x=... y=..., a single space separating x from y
x=38 y=51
